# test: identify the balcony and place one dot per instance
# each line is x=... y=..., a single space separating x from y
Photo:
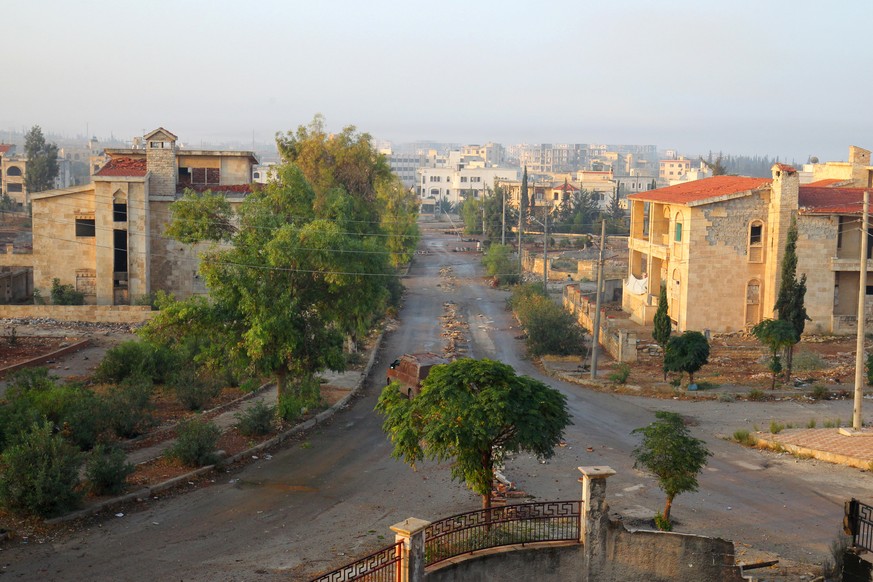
x=838 y=264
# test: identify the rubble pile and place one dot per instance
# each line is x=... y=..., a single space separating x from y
x=454 y=331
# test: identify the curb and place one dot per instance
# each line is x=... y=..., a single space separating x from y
x=170 y=483
x=75 y=347
x=828 y=457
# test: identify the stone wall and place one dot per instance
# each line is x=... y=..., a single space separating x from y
x=88 y=313
x=618 y=343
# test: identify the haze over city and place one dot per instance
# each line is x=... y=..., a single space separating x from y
x=778 y=78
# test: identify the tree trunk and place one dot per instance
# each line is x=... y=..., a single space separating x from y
x=789 y=359
x=667 y=507
x=281 y=383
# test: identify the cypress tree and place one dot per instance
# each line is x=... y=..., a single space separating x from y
x=663 y=326
x=789 y=303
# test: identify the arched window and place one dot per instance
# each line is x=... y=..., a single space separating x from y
x=13 y=171
x=756 y=241
x=677 y=228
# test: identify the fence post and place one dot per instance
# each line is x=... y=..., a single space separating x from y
x=411 y=532
x=595 y=520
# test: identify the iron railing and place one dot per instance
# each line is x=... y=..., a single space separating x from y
x=501 y=526
x=381 y=566
x=858 y=523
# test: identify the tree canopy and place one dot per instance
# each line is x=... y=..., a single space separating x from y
x=672 y=455
x=42 y=161
x=295 y=268
x=792 y=292
x=777 y=335
x=472 y=412
x=686 y=353
x=663 y=327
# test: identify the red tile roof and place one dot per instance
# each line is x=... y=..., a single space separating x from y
x=823 y=183
x=702 y=190
x=786 y=168
x=124 y=167
x=829 y=200
x=567 y=187
x=5 y=147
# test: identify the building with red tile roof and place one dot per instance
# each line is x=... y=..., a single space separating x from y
x=717 y=244
x=107 y=239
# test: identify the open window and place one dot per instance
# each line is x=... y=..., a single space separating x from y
x=756 y=241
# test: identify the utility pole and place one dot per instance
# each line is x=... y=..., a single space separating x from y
x=862 y=296
x=484 y=194
x=595 y=333
x=546 y=250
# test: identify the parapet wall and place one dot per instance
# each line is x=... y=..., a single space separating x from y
x=619 y=343
x=88 y=313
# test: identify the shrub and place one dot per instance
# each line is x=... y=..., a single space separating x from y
x=820 y=392
x=129 y=407
x=257 y=419
x=66 y=294
x=107 y=470
x=662 y=524
x=757 y=395
x=726 y=397
x=193 y=392
x=86 y=419
x=806 y=361
x=550 y=329
x=810 y=423
x=290 y=407
x=499 y=263
x=620 y=374
x=41 y=473
x=136 y=358
x=195 y=443
x=776 y=427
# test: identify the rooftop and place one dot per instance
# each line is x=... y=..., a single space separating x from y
x=124 y=166
x=704 y=190
x=830 y=200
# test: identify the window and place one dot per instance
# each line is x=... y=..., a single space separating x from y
x=756 y=241
x=14 y=187
x=13 y=171
x=119 y=212
x=678 y=236
x=85 y=227
x=463 y=178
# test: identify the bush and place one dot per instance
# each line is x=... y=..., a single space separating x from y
x=41 y=473
x=107 y=470
x=744 y=438
x=195 y=443
x=620 y=374
x=290 y=407
x=820 y=392
x=137 y=359
x=776 y=427
x=757 y=395
x=550 y=329
x=811 y=423
x=66 y=294
x=129 y=407
x=500 y=263
x=256 y=420
x=661 y=523
x=192 y=392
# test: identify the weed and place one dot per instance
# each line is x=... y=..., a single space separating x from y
x=743 y=437
x=757 y=395
x=726 y=397
x=661 y=523
x=675 y=382
x=810 y=423
x=776 y=427
x=806 y=361
x=257 y=419
x=192 y=391
x=828 y=423
x=620 y=374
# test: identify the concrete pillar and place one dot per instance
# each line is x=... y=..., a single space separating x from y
x=411 y=533
x=595 y=519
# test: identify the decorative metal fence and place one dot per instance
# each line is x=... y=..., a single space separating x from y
x=858 y=523
x=381 y=566
x=501 y=526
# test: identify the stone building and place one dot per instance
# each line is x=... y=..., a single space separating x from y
x=107 y=238
x=718 y=244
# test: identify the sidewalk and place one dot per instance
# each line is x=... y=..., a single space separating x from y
x=826 y=444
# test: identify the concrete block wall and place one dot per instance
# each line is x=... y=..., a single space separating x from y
x=618 y=343
x=131 y=314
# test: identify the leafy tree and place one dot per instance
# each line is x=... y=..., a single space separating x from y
x=792 y=292
x=663 y=327
x=672 y=455
x=500 y=264
x=473 y=412
x=686 y=353
x=777 y=335
x=471 y=213
x=717 y=167
x=42 y=161
x=66 y=294
x=399 y=210
x=494 y=221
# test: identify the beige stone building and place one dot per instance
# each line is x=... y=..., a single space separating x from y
x=107 y=238
x=718 y=244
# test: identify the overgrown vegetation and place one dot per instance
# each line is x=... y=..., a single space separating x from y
x=66 y=294
x=258 y=419
x=550 y=329
x=500 y=263
x=744 y=437
x=195 y=443
x=107 y=470
x=620 y=374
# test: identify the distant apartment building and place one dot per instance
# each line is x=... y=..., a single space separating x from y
x=13 y=172
x=550 y=158
x=493 y=154
x=455 y=183
x=673 y=169
x=405 y=166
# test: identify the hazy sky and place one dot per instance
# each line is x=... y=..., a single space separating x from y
x=778 y=77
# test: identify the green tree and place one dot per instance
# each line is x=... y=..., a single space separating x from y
x=399 y=210
x=717 y=167
x=471 y=214
x=777 y=335
x=686 y=353
x=500 y=264
x=792 y=292
x=663 y=327
x=524 y=198
x=42 y=161
x=472 y=412
x=672 y=455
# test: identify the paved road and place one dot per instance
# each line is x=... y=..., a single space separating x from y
x=330 y=498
